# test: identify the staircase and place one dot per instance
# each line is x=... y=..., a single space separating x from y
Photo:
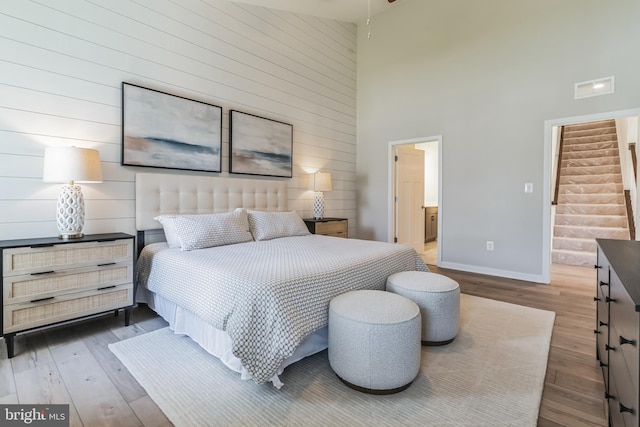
x=591 y=200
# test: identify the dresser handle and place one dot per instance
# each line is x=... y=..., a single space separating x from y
x=595 y=331
x=106 y=263
x=623 y=340
x=597 y=266
x=603 y=323
x=106 y=287
x=603 y=365
x=608 y=396
x=603 y=283
x=625 y=409
x=607 y=299
x=44 y=245
x=41 y=299
x=608 y=347
x=42 y=272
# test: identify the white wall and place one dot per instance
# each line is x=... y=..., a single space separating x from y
x=61 y=68
x=485 y=75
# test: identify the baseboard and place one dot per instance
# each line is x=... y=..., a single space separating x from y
x=537 y=278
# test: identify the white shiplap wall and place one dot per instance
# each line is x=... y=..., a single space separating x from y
x=62 y=63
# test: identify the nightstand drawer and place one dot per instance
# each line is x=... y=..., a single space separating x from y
x=35 y=259
x=332 y=228
x=40 y=285
x=17 y=317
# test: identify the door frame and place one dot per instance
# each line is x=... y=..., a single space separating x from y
x=548 y=173
x=390 y=178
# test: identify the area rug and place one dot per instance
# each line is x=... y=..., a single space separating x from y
x=491 y=375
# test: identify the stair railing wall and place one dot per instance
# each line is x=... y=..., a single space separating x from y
x=625 y=132
x=558 y=165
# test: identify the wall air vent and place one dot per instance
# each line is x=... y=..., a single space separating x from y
x=596 y=87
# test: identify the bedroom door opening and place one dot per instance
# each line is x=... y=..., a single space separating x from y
x=415 y=214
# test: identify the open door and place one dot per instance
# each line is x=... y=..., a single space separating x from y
x=409 y=197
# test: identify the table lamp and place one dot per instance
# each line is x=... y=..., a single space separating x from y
x=321 y=182
x=71 y=165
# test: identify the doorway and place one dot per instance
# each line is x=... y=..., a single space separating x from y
x=550 y=171
x=425 y=203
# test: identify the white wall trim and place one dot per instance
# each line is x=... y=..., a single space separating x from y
x=547 y=173
x=493 y=272
x=435 y=138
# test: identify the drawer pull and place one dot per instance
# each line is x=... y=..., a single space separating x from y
x=41 y=299
x=625 y=409
x=608 y=347
x=608 y=396
x=623 y=340
x=44 y=245
x=607 y=299
x=42 y=272
x=603 y=323
x=603 y=365
x=603 y=283
x=595 y=331
x=106 y=287
x=597 y=266
x=106 y=263
x=597 y=299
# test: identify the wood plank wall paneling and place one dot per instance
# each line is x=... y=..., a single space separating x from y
x=61 y=69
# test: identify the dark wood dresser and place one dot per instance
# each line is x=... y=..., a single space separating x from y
x=617 y=327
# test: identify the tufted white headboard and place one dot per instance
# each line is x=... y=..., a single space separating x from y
x=158 y=194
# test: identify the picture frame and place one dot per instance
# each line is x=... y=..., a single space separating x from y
x=162 y=130
x=259 y=146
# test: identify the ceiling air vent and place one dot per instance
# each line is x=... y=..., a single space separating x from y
x=596 y=87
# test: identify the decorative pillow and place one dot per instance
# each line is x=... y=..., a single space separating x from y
x=271 y=225
x=208 y=230
x=170 y=232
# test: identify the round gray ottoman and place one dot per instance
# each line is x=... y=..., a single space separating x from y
x=438 y=298
x=374 y=340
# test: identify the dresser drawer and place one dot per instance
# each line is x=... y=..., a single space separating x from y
x=35 y=259
x=625 y=392
x=40 y=285
x=332 y=228
x=21 y=316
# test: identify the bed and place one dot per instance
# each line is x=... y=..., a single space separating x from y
x=257 y=301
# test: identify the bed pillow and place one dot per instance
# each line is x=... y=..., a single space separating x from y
x=271 y=225
x=169 y=228
x=209 y=230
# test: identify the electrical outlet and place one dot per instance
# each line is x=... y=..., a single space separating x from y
x=489 y=245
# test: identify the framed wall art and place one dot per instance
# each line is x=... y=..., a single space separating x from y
x=161 y=130
x=259 y=146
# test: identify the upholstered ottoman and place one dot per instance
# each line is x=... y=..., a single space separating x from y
x=374 y=340
x=438 y=298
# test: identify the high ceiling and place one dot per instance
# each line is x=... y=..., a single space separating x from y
x=341 y=10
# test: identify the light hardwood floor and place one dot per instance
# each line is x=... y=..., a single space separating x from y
x=72 y=364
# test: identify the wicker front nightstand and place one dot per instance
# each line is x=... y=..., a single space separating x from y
x=336 y=227
x=49 y=280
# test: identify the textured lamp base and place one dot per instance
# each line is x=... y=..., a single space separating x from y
x=70 y=212
x=318 y=205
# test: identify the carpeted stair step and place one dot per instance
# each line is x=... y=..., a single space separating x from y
x=584 y=259
x=617 y=221
x=588 y=170
x=591 y=232
x=591 y=209
x=590 y=154
x=599 y=199
x=575 y=244
x=611 y=187
x=606 y=178
x=602 y=161
x=589 y=143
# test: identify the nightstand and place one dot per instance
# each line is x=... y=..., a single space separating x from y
x=48 y=280
x=336 y=227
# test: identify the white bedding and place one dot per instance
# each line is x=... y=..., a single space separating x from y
x=269 y=296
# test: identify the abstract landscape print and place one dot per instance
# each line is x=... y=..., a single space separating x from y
x=259 y=146
x=168 y=131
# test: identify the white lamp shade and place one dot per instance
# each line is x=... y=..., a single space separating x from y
x=322 y=181
x=71 y=164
